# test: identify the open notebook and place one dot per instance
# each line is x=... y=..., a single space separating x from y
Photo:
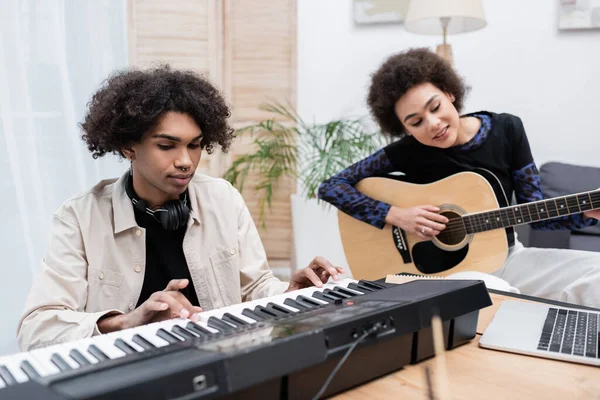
x=491 y=281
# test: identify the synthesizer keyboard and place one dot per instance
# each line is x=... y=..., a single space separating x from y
x=278 y=347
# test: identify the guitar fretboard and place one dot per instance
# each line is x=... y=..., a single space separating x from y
x=532 y=212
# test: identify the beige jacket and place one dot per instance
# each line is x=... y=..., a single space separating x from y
x=97 y=256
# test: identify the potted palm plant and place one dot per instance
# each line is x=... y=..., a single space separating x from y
x=286 y=146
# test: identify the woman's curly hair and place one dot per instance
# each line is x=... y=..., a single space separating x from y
x=131 y=102
x=403 y=71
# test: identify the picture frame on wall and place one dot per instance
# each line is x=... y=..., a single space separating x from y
x=379 y=11
x=578 y=14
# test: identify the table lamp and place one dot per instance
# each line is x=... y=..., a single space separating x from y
x=434 y=17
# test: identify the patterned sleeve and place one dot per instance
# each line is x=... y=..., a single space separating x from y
x=339 y=190
x=528 y=189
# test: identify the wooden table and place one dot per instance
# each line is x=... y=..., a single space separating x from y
x=478 y=373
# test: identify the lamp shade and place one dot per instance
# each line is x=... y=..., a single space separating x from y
x=424 y=16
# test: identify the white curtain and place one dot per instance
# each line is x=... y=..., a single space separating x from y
x=53 y=55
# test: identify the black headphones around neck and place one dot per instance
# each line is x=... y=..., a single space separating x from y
x=172 y=215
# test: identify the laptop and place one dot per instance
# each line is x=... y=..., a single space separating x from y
x=545 y=330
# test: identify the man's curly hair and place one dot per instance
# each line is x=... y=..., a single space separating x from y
x=401 y=72
x=131 y=102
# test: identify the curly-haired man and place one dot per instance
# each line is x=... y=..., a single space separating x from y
x=161 y=241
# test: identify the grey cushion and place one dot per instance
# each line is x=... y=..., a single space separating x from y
x=560 y=179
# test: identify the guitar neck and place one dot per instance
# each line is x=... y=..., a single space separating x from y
x=532 y=212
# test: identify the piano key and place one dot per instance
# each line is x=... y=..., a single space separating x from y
x=126 y=347
x=79 y=358
x=148 y=332
x=360 y=288
x=82 y=346
x=198 y=330
x=63 y=351
x=349 y=292
x=142 y=342
x=232 y=319
x=7 y=376
x=337 y=294
x=106 y=344
x=286 y=311
x=324 y=297
x=184 y=333
x=251 y=314
x=314 y=303
x=12 y=372
x=168 y=336
x=184 y=321
x=39 y=359
x=220 y=325
x=29 y=370
x=126 y=335
x=97 y=353
x=269 y=314
x=371 y=284
x=293 y=303
x=60 y=362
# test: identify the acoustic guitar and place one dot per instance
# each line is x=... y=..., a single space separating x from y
x=474 y=238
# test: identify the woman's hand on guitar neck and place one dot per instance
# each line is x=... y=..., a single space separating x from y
x=423 y=221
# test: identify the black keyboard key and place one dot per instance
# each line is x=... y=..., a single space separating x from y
x=142 y=342
x=252 y=315
x=79 y=358
x=219 y=325
x=232 y=319
x=335 y=294
x=371 y=284
x=126 y=347
x=6 y=376
x=323 y=296
x=60 y=362
x=277 y=307
x=29 y=370
x=308 y=301
x=97 y=353
x=269 y=314
x=293 y=303
x=342 y=289
x=184 y=333
x=359 y=288
x=168 y=336
x=199 y=330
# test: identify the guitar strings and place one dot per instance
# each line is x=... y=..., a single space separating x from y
x=458 y=224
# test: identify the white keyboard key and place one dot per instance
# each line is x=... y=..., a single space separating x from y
x=43 y=357
x=13 y=364
x=148 y=332
x=107 y=346
x=126 y=335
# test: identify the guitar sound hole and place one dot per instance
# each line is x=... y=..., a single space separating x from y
x=455 y=229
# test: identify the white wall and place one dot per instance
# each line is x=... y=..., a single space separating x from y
x=519 y=63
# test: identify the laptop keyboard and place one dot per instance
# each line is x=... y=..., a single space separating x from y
x=570 y=332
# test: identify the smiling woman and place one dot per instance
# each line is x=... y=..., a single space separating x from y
x=417 y=96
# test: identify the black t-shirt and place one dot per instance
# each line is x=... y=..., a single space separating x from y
x=505 y=149
x=164 y=258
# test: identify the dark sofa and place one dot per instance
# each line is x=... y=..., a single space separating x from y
x=560 y=179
